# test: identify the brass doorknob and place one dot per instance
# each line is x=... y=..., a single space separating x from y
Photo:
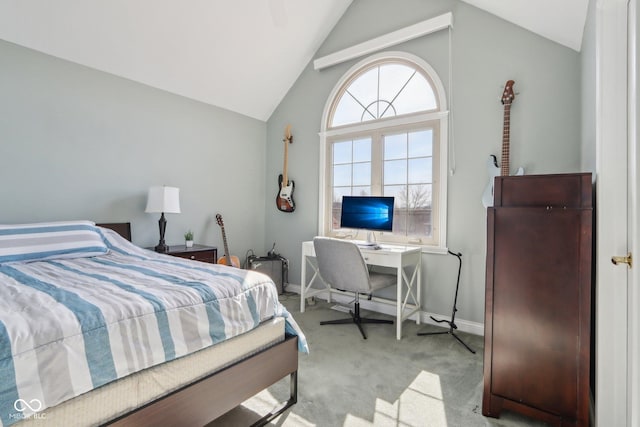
x=616 y=260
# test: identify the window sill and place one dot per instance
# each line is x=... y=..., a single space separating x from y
x=425 y=249
x=434 y=250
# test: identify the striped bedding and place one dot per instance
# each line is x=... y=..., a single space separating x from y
x=70 y=325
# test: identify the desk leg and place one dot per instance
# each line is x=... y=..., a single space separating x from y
x=303 y=283
x=399 y=304
x=419 y=285
x=306 y=287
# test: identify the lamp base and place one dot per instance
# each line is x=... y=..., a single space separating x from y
x=162 y=248
x=162 y=226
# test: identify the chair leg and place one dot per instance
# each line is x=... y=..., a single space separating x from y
x=355 y=318
x=337 y=322
x=365 y=320
x=359 y=325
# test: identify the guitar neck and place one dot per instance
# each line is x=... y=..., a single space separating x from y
x=227 y=255
x=285 y=181
x=504 y=166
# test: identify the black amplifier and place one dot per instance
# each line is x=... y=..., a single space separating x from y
x=276 y=267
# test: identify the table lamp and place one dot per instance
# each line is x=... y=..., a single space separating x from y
x=164 y=200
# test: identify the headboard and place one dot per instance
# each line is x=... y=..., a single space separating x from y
x=122 y=228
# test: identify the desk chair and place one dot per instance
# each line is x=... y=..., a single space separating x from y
x=341 y=265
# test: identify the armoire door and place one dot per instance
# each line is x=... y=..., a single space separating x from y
x=540 y=299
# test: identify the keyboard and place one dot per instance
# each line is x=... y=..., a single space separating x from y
x=366 y=245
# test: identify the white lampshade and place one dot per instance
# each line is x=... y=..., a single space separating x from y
x=163 y=199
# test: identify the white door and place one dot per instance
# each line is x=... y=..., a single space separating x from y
x=633 y=279
x=617 y=226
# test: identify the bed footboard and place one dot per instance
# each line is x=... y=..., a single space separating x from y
x=210 y=397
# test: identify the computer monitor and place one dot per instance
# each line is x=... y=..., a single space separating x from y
x=372 y=213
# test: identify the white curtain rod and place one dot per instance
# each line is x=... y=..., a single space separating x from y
x=390 y=39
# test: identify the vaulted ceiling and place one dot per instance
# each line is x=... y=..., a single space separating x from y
x=241 y=55
x=561 y=21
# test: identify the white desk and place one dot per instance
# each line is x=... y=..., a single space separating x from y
x=402 y=258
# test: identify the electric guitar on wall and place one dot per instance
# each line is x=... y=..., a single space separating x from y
x=284 y=199
x=226 y=259
x=492 y=162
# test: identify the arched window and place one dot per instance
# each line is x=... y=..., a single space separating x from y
x=387 y=88
x=384 y=134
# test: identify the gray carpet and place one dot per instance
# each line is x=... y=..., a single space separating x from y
x=351 y=382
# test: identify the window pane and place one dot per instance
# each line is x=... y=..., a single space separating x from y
x=419 y=196
x=361 y=191
x=365 y=88
x=416 y=96
x=362 y=174
x=395 y=146
x=347 y=111
x=336 y=211
x=338 y=192
x=397 y=191
x=341 y=152
x=420 y=170
x=392 y=78
x=362 y=150
x=412 y=215
x=421 y=143
x=342 y=175
x=418 y=222
x=395 y=172
x=419 y=214
x=400 y=203
x=336 y=206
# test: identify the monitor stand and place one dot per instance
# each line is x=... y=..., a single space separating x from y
x=371 y=238
x=370 y=242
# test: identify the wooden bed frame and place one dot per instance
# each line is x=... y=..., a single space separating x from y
x=208 y=398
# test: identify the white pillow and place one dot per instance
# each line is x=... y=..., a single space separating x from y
x=50 y=240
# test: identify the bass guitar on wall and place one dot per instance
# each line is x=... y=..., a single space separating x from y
x=492 y=163
x=226 y=259
x=284 y=199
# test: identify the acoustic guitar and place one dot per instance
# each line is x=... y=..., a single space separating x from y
x=284 y=199
x=492 y=163
x=226 y=259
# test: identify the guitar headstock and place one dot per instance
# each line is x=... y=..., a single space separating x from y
x=508 y=95
x=287 y=134
x=219 y=220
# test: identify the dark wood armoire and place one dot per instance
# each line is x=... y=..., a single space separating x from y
x=538 y=298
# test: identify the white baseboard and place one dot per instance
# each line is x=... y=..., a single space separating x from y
x=425 y=317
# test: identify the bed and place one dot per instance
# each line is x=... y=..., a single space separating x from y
x=95 y=330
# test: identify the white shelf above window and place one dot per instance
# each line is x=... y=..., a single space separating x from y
x=390 y=39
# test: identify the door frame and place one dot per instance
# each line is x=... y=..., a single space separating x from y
x=633 y=280
x=616 y=189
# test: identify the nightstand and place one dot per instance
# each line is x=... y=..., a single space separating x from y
x=197 y=252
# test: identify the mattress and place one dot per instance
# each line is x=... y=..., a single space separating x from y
x=81 y=307
x=121 y=396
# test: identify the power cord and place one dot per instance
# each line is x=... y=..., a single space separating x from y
x=245 y=265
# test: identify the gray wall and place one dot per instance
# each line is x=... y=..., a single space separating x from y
x=487 y=51
x=78 y=143
x=588 y=88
